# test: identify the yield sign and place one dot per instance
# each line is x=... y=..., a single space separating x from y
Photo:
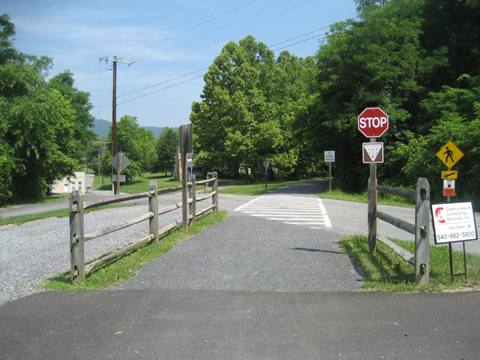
x=372 y=152
x=121 y=161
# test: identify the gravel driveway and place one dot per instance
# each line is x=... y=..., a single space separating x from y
x=38 y=250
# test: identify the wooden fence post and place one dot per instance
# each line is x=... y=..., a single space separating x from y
x=422 y=232
x=193 y=196
x=215 y=188
x=77 y=253
x=153 y=207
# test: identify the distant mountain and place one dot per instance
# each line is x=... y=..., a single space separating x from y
x=102 y=127
x=156 y=131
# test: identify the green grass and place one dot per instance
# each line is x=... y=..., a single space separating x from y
x=128 y=266
x=20 y=219
x=139 y=183
x=253 y=189
x=386 y=271
x=46 y=200
x=383 y=199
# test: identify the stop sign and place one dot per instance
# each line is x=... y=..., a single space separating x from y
x=373 y=122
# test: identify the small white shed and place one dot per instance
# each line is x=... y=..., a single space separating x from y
x=80 y=181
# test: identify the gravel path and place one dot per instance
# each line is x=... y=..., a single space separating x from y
x=38 y=250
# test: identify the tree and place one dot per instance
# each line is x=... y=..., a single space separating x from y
x=166 y=149
x=374 y=61
x=64 y=83
x=138 y=145
x=37 y=124
x=457 y=114
x=248 y=107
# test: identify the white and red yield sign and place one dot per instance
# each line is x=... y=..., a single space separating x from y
x=372 y=153
x=373 y=122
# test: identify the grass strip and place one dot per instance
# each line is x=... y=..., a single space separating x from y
x=383 y=199
x=254 y=189
x=20 y=219
x=128 y=266
x=139 y=184
x=386 y=271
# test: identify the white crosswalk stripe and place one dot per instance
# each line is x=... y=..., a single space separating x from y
x=292 y=210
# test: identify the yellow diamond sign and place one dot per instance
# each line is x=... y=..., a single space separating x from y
x=449 y=154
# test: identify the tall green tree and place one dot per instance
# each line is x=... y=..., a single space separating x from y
x=64 y=83
x=248 y=107
x=166 y=148
x=36 y=124
x=374 y=61
x=138 y=145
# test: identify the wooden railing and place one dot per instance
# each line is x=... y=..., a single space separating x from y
x=79 y=269
x=421 y=228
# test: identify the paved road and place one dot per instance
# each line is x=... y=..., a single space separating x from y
x=213 y=324
x=264 y=284
x=61 y=203
x=277 y=242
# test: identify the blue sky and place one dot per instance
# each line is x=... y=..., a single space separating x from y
x=167 y=39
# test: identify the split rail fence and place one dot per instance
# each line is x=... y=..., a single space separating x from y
x=79 y=268
x=421 y=228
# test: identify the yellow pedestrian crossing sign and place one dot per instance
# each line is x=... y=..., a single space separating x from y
x=449 y=154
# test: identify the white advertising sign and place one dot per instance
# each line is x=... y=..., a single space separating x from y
x=329 y=156
x=454 y=222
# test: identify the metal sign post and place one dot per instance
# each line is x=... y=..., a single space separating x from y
x=329 y=158
x=449 y=154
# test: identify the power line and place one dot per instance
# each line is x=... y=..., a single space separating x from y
x=251 y=25
x=168 y=28
x=165 y=81
x=115 y=60
x=299 y=42
x=300 y=36
x=197 y=25
x=159 y=90
x=268 y=18
x=219 y=28
x=204 y=68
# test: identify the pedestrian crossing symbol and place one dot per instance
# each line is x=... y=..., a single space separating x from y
x=449 y=154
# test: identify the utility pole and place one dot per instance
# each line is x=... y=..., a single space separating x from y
x=114 y=60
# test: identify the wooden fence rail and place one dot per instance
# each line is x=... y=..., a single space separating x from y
x=421 y=228
x=79 y=269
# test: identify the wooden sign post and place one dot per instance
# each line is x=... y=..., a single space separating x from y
x=372 y=122
x=185 y=147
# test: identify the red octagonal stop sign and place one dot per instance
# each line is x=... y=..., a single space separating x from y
x=373 y=122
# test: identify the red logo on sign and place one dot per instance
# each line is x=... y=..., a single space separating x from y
x=373 y=122
x=439 y=214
